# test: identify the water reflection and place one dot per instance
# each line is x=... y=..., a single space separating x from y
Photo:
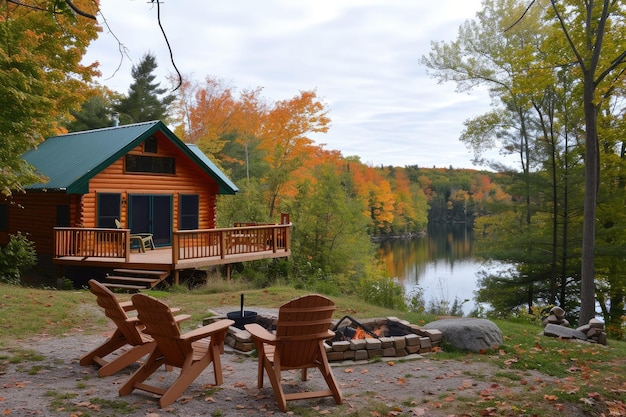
x=441 y=263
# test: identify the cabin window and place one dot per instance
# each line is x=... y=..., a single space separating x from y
x=108 y=209
x=150 y=145
x=63 y=215
x=150 y=164
x=4 y=218
x=189 y=208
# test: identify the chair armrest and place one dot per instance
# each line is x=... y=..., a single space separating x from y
x=208 y=330
x=127 y=305
x=258 y=332
x=318 y=336
x=182 y=317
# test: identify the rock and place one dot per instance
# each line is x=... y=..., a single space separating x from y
x=585 y=328
x=558 y=312
x=596 y=324
x=470 y=334
x=555 y=330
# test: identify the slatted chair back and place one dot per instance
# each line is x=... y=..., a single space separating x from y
x=162 y=326
x=302 y=324
x=112 y=309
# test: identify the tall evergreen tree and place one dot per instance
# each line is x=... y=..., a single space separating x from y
x=95 y=112
x=146 y=100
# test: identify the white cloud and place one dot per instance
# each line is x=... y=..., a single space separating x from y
x=361 y=56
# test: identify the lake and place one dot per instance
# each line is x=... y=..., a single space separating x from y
x=441 y=263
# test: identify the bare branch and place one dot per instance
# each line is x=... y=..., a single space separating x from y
x=41 y=9
x=30 y=6
x=522 y=16
x=121 y=47
x=79 y=11
x=180 y=77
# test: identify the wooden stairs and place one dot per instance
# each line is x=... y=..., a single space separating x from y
x=135 y=279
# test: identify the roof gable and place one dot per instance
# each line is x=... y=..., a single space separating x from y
x=70 y=161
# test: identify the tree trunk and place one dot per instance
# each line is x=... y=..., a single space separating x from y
x=592 y=157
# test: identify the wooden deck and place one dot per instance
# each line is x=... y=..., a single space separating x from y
x=191 y=249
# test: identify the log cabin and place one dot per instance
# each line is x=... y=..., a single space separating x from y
x=103 y=188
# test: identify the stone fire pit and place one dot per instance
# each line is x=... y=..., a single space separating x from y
x=397 y=338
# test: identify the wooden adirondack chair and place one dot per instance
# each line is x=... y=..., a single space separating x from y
x=143 y=240
x=128 y=334
x=192 y=352
x=303 y=325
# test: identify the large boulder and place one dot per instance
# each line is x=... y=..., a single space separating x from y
x=475 y=335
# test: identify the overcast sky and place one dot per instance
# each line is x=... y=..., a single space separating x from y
x=361 y=57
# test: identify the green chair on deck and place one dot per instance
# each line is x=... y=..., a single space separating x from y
x=143 y=239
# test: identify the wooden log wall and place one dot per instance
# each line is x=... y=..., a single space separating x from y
x=189 y=179
x=35 y=214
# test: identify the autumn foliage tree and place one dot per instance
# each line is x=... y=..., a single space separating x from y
x=286 y=140
x=41 y=77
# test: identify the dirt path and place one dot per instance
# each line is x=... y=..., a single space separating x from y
x=59 y=386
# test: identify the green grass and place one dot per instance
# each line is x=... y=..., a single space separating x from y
x=582 y=370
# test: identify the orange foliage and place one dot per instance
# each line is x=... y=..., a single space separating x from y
x=377 y=192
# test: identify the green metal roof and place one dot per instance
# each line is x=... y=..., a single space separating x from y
x=70 y=161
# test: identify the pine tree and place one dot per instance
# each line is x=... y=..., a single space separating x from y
x=144 y=101
x=95 y=112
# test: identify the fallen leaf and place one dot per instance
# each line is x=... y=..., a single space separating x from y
x=587 y=401
x=348 y=370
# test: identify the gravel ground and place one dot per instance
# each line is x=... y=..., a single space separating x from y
x=59 y=386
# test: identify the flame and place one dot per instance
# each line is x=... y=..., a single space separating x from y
x=362 y=334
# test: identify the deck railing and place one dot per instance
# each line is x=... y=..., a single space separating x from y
x=187 y=244
x=194 y=244
x=91 y=242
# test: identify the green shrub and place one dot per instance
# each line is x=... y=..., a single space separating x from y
x=384 y=292
x=17 y=257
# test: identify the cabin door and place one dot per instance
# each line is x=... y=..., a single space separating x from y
x=151 y=214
